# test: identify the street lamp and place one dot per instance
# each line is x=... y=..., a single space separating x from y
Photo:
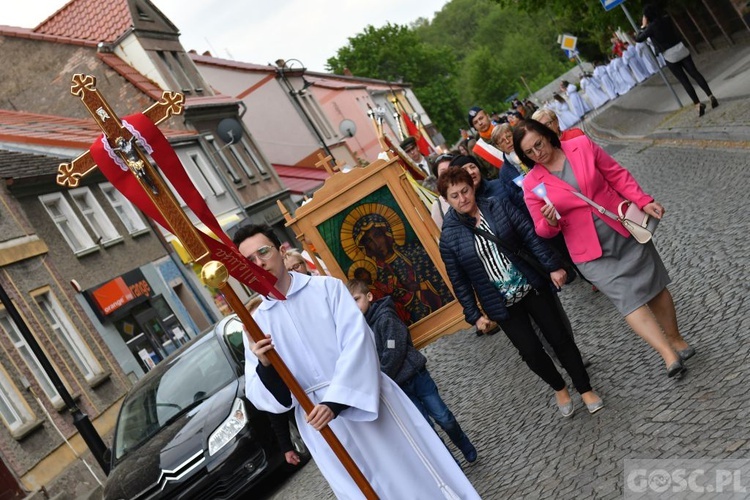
x=284 y=67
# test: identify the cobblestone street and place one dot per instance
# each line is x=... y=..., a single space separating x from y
x=526 y=450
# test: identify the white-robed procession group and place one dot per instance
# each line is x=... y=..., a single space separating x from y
x=605 y=83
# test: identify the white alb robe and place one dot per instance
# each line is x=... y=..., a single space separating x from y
x=577 y=104
x=649 y=62
x=595 y=94
x=565 y=118
x=633 y=60
x=601 y=74
x=620 y=74
x=324 y=339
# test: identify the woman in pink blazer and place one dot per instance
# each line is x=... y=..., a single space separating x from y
x=631 y=275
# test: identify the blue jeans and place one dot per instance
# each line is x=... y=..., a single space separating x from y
x=423 y=392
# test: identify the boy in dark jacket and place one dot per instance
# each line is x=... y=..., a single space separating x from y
x=405 y=365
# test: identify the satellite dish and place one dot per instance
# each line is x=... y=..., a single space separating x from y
x=229 y=130
x=347 y=128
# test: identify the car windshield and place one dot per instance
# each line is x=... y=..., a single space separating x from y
x=189 y=379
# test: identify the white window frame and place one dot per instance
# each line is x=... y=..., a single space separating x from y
x=125 y=210
x=77 y=237
x=238 y=157
x=208 y=182
x=227 y=165
x=68 y=336
x=94 y=215
x=16 y=407
x=251 y=153
x=28 y=356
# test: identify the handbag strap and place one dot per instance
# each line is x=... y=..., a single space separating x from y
x=520 y=253
x=598 y=207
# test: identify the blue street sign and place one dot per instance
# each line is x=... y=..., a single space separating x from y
x=570 y=54
x=611 y=4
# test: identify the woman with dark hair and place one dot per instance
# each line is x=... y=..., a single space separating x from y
x=661 y=29
x=491 y=254
x=483 y=188
x=630 y=274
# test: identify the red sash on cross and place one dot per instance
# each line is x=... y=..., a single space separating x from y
x=121 y=178
x=488 y=152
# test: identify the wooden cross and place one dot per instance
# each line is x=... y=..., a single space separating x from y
x=122 y=142
x=325 y=162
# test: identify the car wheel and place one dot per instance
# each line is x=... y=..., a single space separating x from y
x=299 y=445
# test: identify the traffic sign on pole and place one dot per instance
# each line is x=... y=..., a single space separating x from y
x=611 y=4
x=568 y=42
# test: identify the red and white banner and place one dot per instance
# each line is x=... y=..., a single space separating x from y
x=489 y=153
x=124 y=180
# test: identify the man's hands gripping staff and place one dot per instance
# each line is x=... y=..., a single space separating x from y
x=321 y=414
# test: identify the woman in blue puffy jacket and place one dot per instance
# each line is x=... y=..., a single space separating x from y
x=492 y=254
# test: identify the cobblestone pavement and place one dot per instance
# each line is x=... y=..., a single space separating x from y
x=526 y=450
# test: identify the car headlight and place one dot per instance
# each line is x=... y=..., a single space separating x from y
x=229 y=428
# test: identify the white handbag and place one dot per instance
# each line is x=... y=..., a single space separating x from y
x=637 y=222
x=676 y=53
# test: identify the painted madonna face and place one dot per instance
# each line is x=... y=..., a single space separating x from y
x=461 y=197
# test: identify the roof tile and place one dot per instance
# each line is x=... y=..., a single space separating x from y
x=94 y=20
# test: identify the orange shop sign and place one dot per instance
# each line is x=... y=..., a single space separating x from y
x=113 y=295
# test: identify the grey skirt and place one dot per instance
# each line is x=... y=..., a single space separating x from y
x=629 y=273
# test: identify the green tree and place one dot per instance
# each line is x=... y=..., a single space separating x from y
x=396 y=53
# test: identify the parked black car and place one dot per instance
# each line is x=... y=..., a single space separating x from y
x=186 y=430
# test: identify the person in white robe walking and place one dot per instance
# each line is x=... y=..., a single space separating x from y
x=594 y=93
x=577 y=105
x=324 y=339
x=565 y=116
x=620 y=74
x=633 y=60
x=647 y=57
x=605 y=82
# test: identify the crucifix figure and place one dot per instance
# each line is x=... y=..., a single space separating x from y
x=123 y=154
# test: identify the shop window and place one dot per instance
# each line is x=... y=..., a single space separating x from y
x=69 y=337
x=67 y=223
x=94 y=215
x=13 y=409
x=11 y=330
x=125 y=210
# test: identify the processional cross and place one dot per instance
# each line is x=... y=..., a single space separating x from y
x=131 y=147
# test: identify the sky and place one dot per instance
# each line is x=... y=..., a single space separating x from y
x=261 y=31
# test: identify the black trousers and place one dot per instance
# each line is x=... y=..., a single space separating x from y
x=541 y=307
x=681 y=70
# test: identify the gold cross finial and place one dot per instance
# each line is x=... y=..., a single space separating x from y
x=70 y=174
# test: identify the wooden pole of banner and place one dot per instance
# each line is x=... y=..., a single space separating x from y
x=214 y=273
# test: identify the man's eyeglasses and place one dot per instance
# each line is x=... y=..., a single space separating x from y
x=536 y=148
x=297 y=266
x=263 y=253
